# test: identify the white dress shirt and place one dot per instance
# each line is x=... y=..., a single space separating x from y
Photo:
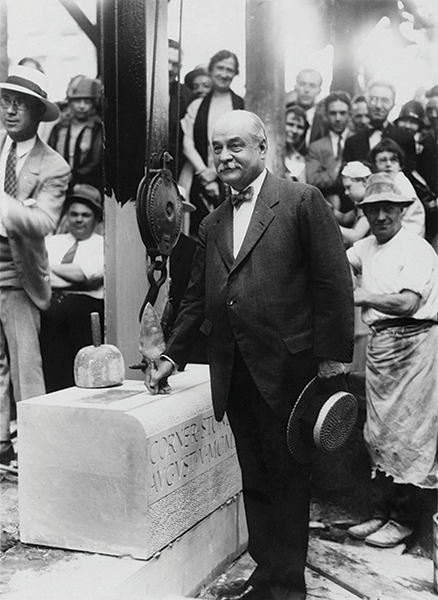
x=242 y=215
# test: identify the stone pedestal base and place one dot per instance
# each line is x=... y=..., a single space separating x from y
x=119 y=471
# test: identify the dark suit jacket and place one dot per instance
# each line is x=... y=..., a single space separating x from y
x=319 y=127
x=289 y=290
x=44 y=178
x=357 y=147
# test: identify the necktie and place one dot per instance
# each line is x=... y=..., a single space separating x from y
x=339 y=149
x=10 y=185
x=70 y=254
x=245 y=196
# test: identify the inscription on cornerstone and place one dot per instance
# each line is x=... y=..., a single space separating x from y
x=185 y=451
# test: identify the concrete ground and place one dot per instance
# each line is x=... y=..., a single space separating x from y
x=338 y=568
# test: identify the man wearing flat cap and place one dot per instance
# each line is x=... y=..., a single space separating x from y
x=76 y=261
x=399 y=301
x=33 y=183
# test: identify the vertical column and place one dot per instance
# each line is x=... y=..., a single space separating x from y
x=131 y=71
x=265 y=93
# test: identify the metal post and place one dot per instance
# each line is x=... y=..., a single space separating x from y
x=265 y=93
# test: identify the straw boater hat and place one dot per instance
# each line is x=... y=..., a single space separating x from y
x=321 y=419
x=32 y=83
x=381 y=188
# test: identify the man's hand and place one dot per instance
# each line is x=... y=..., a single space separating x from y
x=330 y=368
x=156 y=376
x=360 y=296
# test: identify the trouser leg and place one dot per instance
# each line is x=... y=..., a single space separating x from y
x=20 y=329
x=275 y=486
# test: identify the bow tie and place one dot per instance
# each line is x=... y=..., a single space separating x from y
x=377 y=126
x=245 y=196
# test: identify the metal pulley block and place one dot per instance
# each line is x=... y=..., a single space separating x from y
x=159 y=211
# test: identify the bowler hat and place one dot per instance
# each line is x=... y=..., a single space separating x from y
x=321 y=419
x=381 y=188
x=88 y=195
x=31 y=82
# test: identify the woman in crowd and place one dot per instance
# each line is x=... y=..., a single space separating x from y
x=296 y=128
x=199 y=82
x=199 y=175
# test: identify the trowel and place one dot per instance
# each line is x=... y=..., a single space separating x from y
x=151 y=342
x=98 y=366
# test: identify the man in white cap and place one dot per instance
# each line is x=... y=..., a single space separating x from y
x=33 y=182
x=399 y=301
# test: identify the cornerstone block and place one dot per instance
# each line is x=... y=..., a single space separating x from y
x=118 y=471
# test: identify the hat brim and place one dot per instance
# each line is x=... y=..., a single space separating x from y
x=387 y=197
x=333 y=425
x=52 y=111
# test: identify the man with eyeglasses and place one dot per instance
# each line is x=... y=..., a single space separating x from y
x=399 y=301
x=381 y=100
x=33 y=183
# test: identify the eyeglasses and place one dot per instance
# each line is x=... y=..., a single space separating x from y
x=375 y=100
x=19 y=103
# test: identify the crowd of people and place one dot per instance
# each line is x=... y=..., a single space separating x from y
x=284 y=274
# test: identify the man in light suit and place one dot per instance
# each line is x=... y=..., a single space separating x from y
x=270 y=289
x=324 y=158
x=33 y=182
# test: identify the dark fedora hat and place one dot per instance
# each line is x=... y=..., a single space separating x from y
x=321 y=419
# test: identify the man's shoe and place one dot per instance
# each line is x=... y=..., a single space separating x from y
x=389 y=535
x=363 y=530
x=244 y=591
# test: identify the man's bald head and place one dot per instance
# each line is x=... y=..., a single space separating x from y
x=243 y=120
x=239 y=146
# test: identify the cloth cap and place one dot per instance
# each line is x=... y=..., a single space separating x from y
x=191 y=75
x=86 y=194
x=412 y=110
x=355 y=169
x=31 y=82
x=381 y=188
x=322 y=418
x=83 y=87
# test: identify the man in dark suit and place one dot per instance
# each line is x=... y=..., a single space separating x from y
x=307 y=89
x=381 y=100
x=324 y=158
x=271 y=291
x=34 y=180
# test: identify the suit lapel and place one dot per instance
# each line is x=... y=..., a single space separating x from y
x=29 y=173
x=224 y=233
x=260 y=220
